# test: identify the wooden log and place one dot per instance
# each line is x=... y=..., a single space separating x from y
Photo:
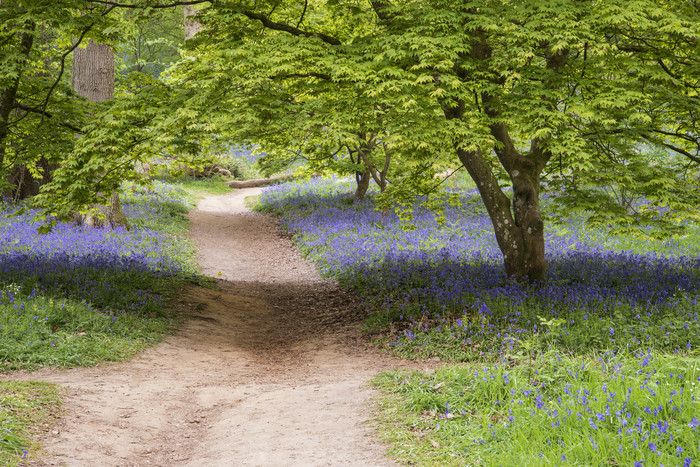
x=257 y=182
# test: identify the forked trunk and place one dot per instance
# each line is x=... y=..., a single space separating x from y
x=362 y=179
x=519 y=233
x=528 y=260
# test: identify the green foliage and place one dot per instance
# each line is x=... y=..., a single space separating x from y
x=566 y=92
x=44 y=124
x=152 y=42
x=295 y=97
x=128 y=132
x=583 y=80
x=39 y=113
x=23 y=405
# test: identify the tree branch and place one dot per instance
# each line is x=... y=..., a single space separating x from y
x=672 y=75
x=268 y=23
x=506 y=152
x=303 y=75
x=672 y=147
x=387 y=159
x=690 y=139
x=303 y=13
x=147 y=5
x=26 y=108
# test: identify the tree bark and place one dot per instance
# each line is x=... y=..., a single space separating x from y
x=26 y=184
x=93 y=78
x=21 y=177
x=368 y=143
x=192 y=26
x=257 y=182
x=519 y=228
x=93 y=71
x=9 y=94
x=111 y=215
x=362 y=179
x=530 y=260
x=520 y=232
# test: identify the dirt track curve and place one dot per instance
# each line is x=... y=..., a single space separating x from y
x=270 y=369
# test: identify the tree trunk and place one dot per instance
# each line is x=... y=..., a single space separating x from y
x=362 y=179
x=520 y=233
x=26 y=184
x=111 y=215
x=8 y=94
x=529 y=224
x=93 y=78
x=192 y=26
x=93 y=71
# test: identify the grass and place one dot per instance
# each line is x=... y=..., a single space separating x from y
x=598 y=365
x=240 y=162
x=23 y=407
x=558 y=410
x=46 y=331
x=213 y=186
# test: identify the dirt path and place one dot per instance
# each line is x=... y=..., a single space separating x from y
x=270 y=370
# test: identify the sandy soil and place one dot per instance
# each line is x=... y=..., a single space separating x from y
x=270 y=369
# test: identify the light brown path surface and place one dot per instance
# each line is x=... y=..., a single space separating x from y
x=269 y=371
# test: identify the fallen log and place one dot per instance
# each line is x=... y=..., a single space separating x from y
x=257 y=181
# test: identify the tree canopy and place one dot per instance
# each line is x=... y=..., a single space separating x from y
x=593 y=101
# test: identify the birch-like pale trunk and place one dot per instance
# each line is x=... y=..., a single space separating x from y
x=93 y=78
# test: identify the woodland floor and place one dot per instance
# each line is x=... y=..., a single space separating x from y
x=271 y=369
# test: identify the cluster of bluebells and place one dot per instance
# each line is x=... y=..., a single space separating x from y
x=610 y=410
x=448 y=277
x=144 y=206
x=107 y=269
x=245 y=154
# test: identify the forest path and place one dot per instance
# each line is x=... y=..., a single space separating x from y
x=270 y=369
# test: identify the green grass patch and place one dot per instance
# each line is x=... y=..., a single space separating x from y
x=23 y=406
x=455 y=337
x=640 y=410
x=47 y=331
x=211 y=186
